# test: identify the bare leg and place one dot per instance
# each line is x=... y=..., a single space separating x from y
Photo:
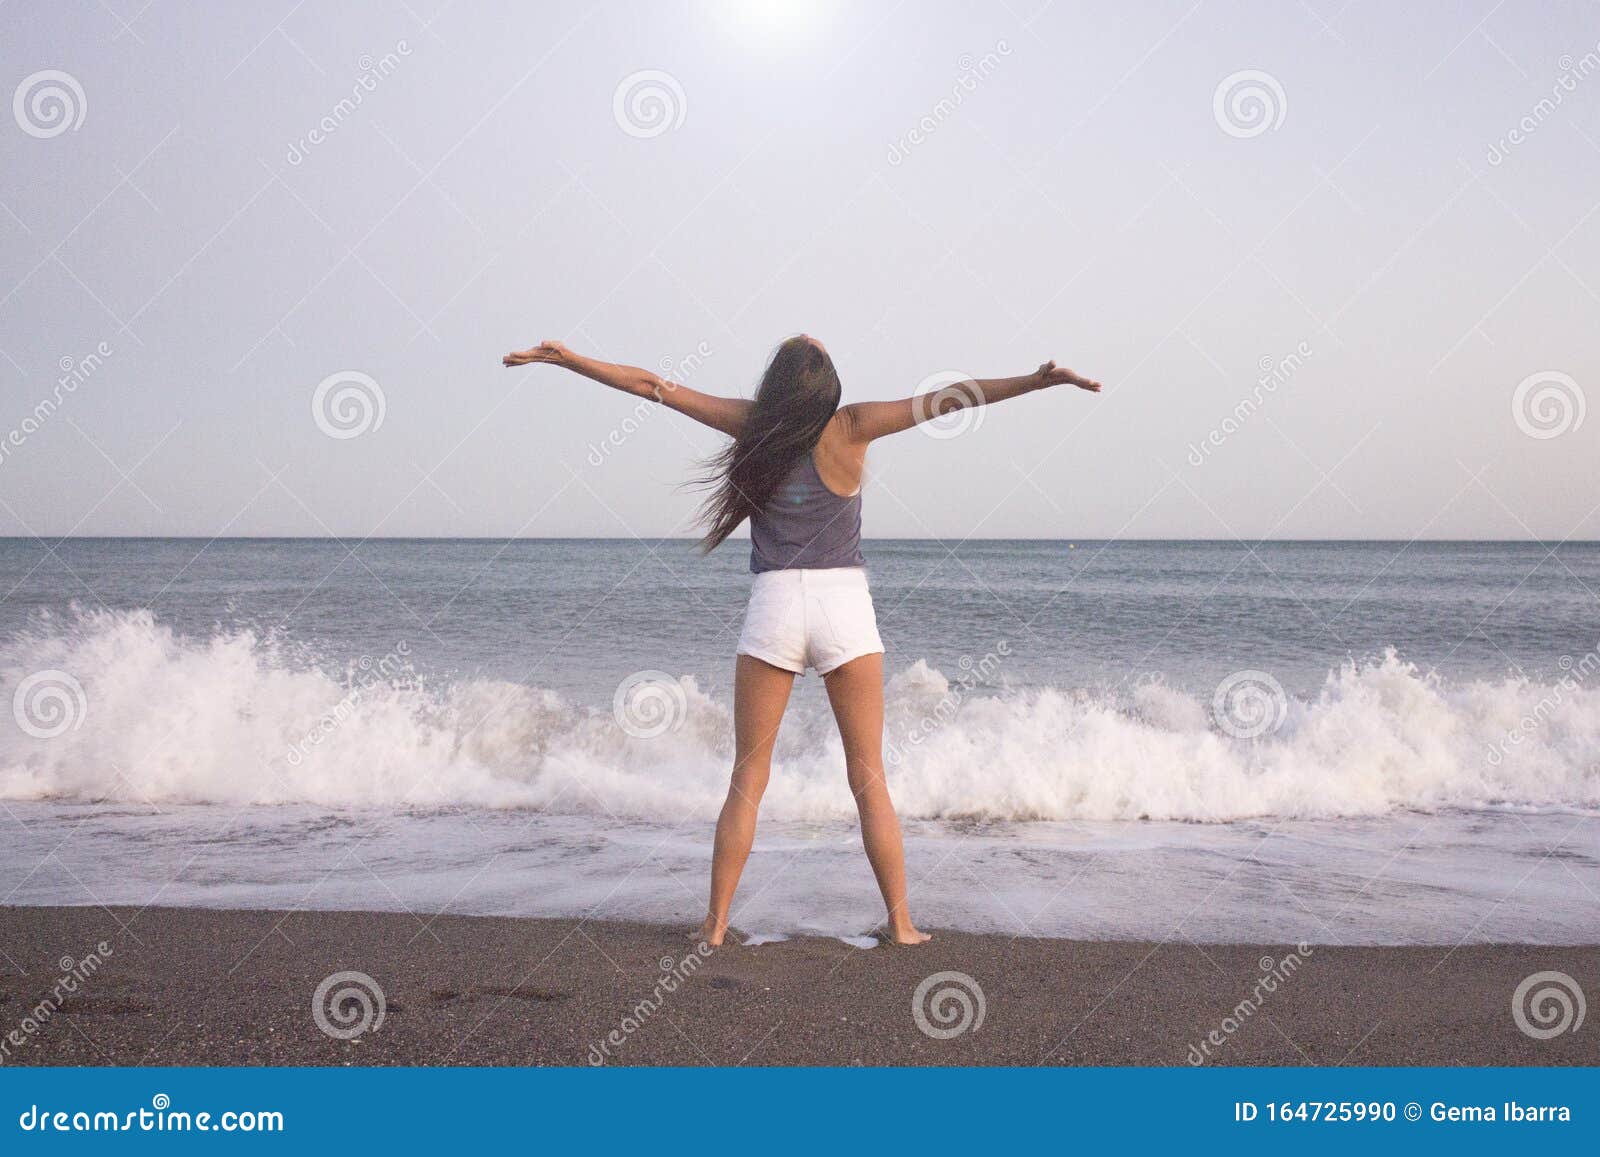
x=760 y=694
x=856 y=692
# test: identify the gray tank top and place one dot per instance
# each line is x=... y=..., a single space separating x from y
x=806 y=526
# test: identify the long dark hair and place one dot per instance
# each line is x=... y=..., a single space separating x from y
x=799 y=393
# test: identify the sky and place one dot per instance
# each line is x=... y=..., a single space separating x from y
x=1337 y=264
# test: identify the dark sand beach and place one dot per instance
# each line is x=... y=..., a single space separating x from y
x=193 y=986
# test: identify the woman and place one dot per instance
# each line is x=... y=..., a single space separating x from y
x=794 y=469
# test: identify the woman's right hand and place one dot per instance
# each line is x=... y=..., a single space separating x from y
x=552 y=352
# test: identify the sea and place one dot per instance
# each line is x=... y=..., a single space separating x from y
x=1274 y=742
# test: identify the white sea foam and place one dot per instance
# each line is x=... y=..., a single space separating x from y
x=238 y=719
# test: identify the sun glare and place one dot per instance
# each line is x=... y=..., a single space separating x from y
x=778 y=21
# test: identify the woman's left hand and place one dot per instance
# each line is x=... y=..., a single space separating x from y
x=1053 y=375
x=552 y=352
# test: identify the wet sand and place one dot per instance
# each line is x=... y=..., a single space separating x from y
x=196 y=986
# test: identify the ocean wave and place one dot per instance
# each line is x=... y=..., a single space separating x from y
x=116 y=706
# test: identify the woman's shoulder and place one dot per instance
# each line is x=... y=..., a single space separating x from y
x=840 y=461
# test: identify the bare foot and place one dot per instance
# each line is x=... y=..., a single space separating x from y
x=905 y=937
x=713 y=930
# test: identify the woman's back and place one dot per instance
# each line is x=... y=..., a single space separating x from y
x=805 y=525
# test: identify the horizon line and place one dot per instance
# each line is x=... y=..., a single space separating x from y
x=341 y=539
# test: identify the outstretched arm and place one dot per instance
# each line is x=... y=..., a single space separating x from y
x=724 y=414
x=865 y=421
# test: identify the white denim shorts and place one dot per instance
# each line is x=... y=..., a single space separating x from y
x=810 y=618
